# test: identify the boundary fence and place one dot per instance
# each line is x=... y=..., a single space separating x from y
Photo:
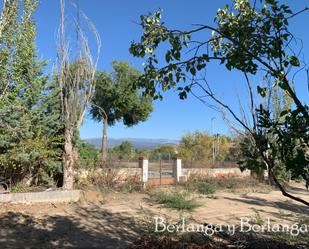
x=163 y=172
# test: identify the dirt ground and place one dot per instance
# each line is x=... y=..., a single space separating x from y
x=113 y=220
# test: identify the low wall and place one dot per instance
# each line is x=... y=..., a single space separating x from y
x=123 y=174
x=120 y=173
x=39 y=197
x=216 y=172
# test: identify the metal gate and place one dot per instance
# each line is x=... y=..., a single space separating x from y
x=160 y=172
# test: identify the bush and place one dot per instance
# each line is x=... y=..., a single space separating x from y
x=20 y=188
x=131 y=184
x=204 y=188
x=105 y=178
x=87 y=154
x=180 y=201
x=204 y=183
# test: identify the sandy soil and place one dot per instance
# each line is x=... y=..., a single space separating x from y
x=113 y=220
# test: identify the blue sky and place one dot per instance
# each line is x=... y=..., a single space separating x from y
x=116 y=22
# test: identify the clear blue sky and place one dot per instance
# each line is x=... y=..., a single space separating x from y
x=116 y=22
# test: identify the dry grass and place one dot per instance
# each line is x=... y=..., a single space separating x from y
x=206 y=185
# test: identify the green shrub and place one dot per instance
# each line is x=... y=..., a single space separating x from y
x=204 y=188
x=20 y=188
x=176 y=200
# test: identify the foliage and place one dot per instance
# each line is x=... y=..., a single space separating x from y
x=279 y=102
x=20 y=188
x=204 y=183
x=115 y=95
x=164 y=152
x=176 y=200
x=143 y=153
x=249 y=157
x=116 y=100
x=107 y=178
x=124 y=151
x=243 y=35
x=247 y=38
x=198 y=146
x=87 y=153
x=205 y=188
x=131 y=184
x=29 y=143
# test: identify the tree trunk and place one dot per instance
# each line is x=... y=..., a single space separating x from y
x=68 y=160
x=104 y=140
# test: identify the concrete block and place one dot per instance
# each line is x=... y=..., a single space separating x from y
x=39 y=197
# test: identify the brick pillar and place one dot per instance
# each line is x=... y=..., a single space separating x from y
x=177 y=169
x=143 y=163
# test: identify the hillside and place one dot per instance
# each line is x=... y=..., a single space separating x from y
x=139 y=143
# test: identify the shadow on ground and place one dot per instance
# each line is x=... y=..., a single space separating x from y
x=91 y=227
x=218 y=241
x=283 y=205
x=297 y=190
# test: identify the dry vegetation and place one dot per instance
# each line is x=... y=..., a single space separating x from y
x=115 y=216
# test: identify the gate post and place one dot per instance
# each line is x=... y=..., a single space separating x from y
x=143 y=163
x=177 y=169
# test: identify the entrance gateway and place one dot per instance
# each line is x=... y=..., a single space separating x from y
x=160 y=172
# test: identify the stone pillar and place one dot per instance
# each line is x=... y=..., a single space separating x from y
x=265 y=175
x=177 y=169
x=143 y=163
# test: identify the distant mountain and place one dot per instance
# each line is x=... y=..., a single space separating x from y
x=138 y=143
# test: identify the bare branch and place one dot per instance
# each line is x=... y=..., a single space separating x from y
x=298 y=12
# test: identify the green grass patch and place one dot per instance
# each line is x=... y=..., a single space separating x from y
x=176 y=200
x=204 y=188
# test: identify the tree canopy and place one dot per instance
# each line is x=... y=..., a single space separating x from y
x=249 y=37
x=201 y=146
x=115 y=99
x=29 y=141
x=116 y=96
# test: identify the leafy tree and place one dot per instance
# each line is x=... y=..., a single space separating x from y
x=199 y=146
x=143 y=153
x=27 y=145
x=125 y=150
x=88 y=153
x=115 y=100
x=165 y=152
x=278 y=102
x=248 y=38
x=8 y=12
x=8 y=26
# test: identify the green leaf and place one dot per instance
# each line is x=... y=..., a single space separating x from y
x=283 y=113
x=200 y=66
x=294 y=61
x=261 y=91
x=183 y=95
x=193 y=70
x=168 y=56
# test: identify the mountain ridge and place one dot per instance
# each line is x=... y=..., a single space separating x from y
x=138 y=143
